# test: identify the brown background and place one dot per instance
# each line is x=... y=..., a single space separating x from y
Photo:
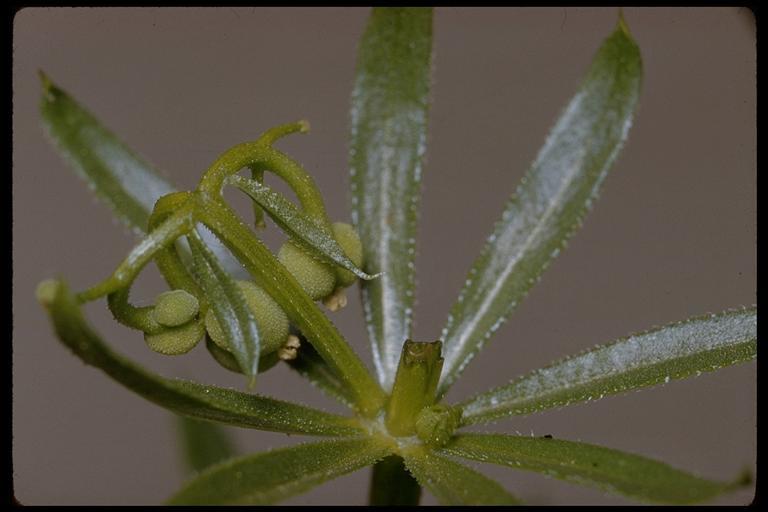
x=672 y=236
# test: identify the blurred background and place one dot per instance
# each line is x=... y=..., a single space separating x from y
x=673 y=234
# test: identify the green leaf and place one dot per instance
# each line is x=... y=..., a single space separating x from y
x=113 y=172
x=275 y=475
x=186 y=397
x=310 y=365
x=229 y=306
x=453 y=483
x=298 y=225
x=202 y=443
x=550 y=202
x=388 y=140
x=392 y=485
x=586 y=464
x=675 y=351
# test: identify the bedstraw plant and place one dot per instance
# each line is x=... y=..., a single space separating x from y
x=398 y=420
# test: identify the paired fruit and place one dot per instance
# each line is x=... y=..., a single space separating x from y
x=177 y=312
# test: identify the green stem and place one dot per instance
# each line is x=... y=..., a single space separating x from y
x=168 y=260
x=415 y=384
x=392 y=484
x=139 y=318
x=178 y=224
x=261 y=156
x=275 y=279
x=170 y=265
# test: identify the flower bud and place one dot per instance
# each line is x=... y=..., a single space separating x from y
x=175 y=307
x=314 y=276
x=436 y=424
x=270 y=319
x=175 y=341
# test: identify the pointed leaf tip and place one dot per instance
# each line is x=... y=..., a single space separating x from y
x=44 y=80
x=622 y=24
x=549 y=204
x=628 y=474
x=675 y=351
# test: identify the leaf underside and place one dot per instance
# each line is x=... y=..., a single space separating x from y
x=185 y=397
x=390 y=100
x=584 y=464
x=675 y=351
x=297 y=224
x=272 y=476
x=550 y=202
x=453 y=483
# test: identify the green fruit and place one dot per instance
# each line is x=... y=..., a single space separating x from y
x=175 y=308
x=314 y=276
x=270 y=319
x=175 y=341
x=347 y=237
x=228 y=360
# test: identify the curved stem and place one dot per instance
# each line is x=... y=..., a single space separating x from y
x=261 y=156
x=178 y=224
x=139 y=318
x=168 y=260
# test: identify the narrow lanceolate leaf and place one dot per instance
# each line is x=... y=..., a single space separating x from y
x=229 y=306
x=453 y=483
x=549 y=203
x=675 y=351
x=276 y=475
x=311 y=366
x=388 y=141
x=113 y=172
x=297 y=224
x=585 y=464
x=202 y=443
x=186 y=397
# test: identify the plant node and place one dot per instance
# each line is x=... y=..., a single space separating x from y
x=436 y=424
